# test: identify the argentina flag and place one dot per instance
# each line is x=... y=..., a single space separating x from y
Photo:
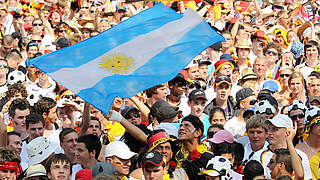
x=145 y=50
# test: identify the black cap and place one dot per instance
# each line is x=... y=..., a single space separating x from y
x=243 y=94
x=216 y=46
x=264 y=93
x=127 y=109
x=162 y=110
x=197 y=93
x=195 y=121
x=222 y=79
x=154 y=157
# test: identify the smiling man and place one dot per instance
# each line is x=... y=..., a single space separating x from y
x=311 y=50
x=59 y=167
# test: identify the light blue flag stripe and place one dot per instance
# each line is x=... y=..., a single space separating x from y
x=92 y=48
x=174 y=58
x=158 y=68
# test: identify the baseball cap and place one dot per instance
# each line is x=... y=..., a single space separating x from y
x=127 y=109
x=119 y=149
x=216 y=46
x=271 y=85
x=84 y=174
x=222 y=136
x=204 y=61
x=280 y=121
x=196 y=94
x=243 y=94
x=247 y=111
x=314 y=98
x=260 y=34
x=153 y=157
x=61 y=102
x=162 y=110
x=222 y=79
x=103 y=168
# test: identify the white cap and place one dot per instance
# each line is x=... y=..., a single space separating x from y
x=119 y=149
x=281 y=120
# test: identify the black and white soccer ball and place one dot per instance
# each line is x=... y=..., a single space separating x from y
x=15 y=77
x=297 y=104
x=311 y=113
x=34 y=97
x=264 y=106
x=222 y=165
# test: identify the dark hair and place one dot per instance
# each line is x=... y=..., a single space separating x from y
x=21 y=104
x=11 y=53
x=274 y=45
x=58 y=158
x=153 y=90
x=32 y=44
x=34 y=119
x=283 y=155
x=222 y=148
x=284 y=177
x=12 y=133
x=214 y=110
x=216 y=126
x=65 y=132
x=7 y=39
x=252 y=169
x=44 y=105
x=16 y=88
x=91 y=142
x=93 y=118
x=310 y=44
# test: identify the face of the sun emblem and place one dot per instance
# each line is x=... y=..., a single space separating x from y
x=117 y=63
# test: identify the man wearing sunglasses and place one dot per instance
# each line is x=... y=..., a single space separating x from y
x=177 y=87
x=245 y=99
x=223 y=99
x=132 y=114
x=296 y=112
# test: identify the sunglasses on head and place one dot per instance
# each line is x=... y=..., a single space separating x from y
x=37 y=24
x=85 y=7
x=36 y=41
x=294 y=117
x=284 y=75
x=272 y=52
x=135 y=115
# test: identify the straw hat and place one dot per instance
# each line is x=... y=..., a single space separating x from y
x=89 y=26
x=84 y=20
x=243 y=43
x=247 y=73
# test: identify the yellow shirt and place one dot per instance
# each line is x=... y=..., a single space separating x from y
x=115 y=128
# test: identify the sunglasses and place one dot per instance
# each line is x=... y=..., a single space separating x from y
x=91 y=11
x=36 y=40
x=181 y=84
x=62 y=31
x=294 y=117
x=4 y=65
x=224 y=87
x=272 y=52
x=35 y=24
x=85 y=7
x=70 y=96
x=197 y=86
x=284 y=75
x=135 y=115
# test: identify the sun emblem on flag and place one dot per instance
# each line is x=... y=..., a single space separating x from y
x=117 y=63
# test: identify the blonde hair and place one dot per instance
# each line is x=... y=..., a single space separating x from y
x=296 y=74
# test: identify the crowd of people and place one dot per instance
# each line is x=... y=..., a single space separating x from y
x=245 y=108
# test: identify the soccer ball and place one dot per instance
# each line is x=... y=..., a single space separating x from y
x=222 y=165
x=34 y=97
x=311 y=113
x=15 y=77
x=264 y=106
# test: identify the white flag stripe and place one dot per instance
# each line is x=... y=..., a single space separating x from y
x=146 y=47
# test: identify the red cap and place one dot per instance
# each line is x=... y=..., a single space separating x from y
x=260 y=34
x=84 y=174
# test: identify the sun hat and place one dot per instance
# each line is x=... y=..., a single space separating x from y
x=119 y=149
x=40 y=149
x=36 y=170
x=243 y=43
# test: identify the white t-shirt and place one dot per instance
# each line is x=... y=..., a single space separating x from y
x=235 y=127
x=304 y=69
x=44 y=92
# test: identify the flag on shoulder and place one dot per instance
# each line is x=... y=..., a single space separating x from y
x=145 y=50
